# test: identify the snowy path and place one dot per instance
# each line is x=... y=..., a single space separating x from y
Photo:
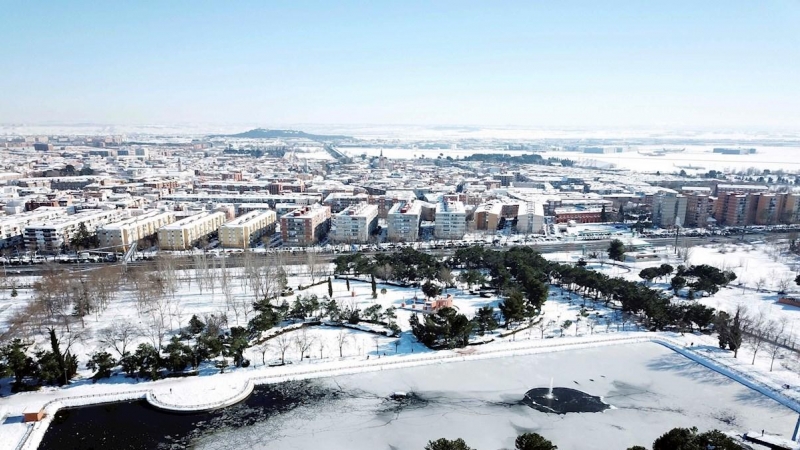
x=220 y=390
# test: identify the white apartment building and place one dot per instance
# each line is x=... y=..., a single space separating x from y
x=355 y=223
x=12 y=227
x=669 y=209
x=450 y=220
x=247 y=229
x=121 y=235
x=403 y=221
x=51 y=236
x=530 y=218
x=182 y=234
x=306 y=226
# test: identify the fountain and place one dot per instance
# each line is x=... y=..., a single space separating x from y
x=563 y=400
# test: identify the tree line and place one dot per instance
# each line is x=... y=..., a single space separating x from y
x=677 y=438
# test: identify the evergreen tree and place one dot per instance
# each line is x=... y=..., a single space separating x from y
x=484 y=320
x=689 y=439
x=445 y=444
x=735 y=335
x=101 y=363
x=196 y=326
x=533 y=441
x=514 y=308
x=374 y=286
x=430 y=290
x=616 y=250
x=603 y=214
x=330 y=288
x=678 y=282
x=621 y=214
x=347 y=283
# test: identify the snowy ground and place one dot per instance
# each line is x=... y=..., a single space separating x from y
x=651 y=388
x=749 y=262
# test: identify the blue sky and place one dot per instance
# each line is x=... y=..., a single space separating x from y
x=675 y=64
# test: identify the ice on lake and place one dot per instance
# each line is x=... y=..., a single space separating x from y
x=651 y=389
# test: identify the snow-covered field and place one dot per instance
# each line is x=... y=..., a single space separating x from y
x=652 y=389
x=751 y=263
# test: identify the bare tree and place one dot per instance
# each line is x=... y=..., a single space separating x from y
x=303 y=342
x=775 y=340
x=341 y=339
x=542 y=325
x=119 y=335
x=313 y=265
x=281 y=344
x=760 y=283
x=757 y=332
x=591 y=324
x=784 y=284
x=262 y=348
x=157 y=320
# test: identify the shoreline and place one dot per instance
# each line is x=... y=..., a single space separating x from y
x=244 y=382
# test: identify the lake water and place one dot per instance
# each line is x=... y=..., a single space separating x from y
x=650 y=388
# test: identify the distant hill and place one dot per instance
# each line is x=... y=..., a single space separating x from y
x=263 y=133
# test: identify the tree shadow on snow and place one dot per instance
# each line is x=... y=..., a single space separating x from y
x=685 y=367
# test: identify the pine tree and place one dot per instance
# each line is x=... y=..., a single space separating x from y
x=347 y=282
x=735 y=335
x=603 y=214
x=330 y=288
x=616 y=250
x=374 y=286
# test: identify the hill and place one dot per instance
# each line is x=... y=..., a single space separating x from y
x=263 y=133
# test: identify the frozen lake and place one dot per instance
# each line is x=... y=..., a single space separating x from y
x=651 y=388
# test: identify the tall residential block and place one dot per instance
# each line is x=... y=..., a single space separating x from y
x=121 y=235
x=306 y=226
x=52 y=236
x=450 y=220
x=403 y=221
x=355 y=224
x=181 y=235
x=248 y=229
x=12 y=227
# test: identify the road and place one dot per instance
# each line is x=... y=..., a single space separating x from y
x=236 y=260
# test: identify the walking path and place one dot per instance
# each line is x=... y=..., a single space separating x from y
x=205 y=393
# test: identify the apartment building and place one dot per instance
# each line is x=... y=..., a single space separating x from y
x=238 y=199
x=355 y=224
x=52 y=236
x=740 y=189
x=182 y=234
x=487 y=216
x=669 y=209
x=699 y=210
x=734 y=209
x=12 y=228
x=306 y=225
x=339 y=201
x=450 y=220
x=578 y=214
x=248 y=229
x=121 y=235
x=530 y=218
x=386 y=201
x=403 y=221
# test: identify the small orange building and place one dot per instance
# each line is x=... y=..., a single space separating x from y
x=33 y=416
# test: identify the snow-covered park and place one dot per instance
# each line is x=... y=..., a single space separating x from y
x=760 y=269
